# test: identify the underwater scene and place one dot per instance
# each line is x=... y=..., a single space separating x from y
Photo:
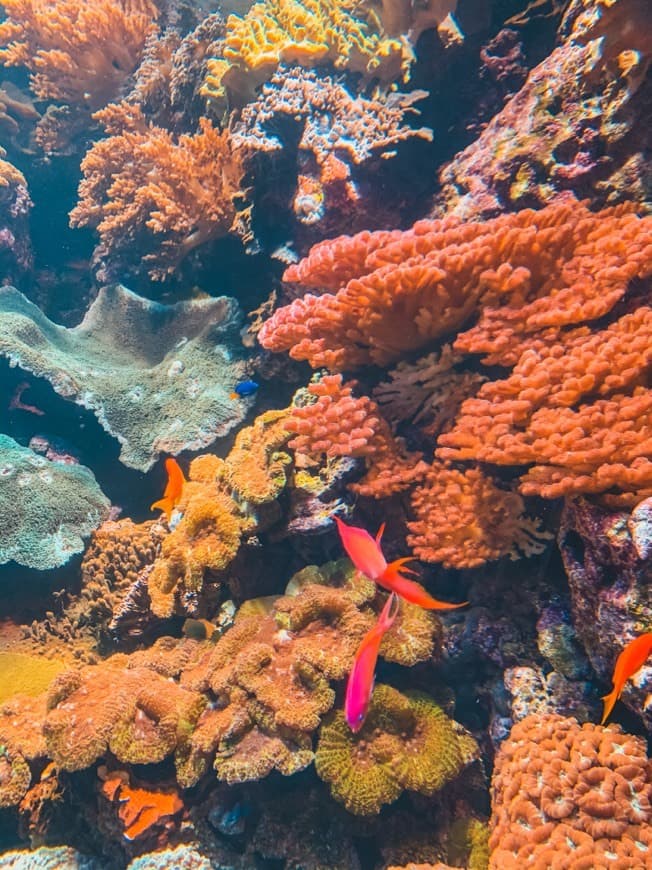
x=325 y=434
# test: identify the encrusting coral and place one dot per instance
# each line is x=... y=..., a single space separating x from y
x=571 y=796
x=406 y=743
x=47 y=508
x=145 y=190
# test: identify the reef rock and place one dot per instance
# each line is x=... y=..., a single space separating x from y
x=46 y=508
x=157 y=377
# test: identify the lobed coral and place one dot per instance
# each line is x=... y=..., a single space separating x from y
x=406 y=743
x=150 y=194
x=570 y=796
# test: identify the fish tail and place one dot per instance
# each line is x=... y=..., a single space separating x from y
x=609 y=701
x=393 y=579
x=163 y=504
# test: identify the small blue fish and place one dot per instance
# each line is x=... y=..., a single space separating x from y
x=244 y=388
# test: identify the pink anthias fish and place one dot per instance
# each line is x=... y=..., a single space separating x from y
x=361 y=679
x=365 y=553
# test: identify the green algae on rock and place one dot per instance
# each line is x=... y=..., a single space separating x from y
x=157 y=377
x=46 y=508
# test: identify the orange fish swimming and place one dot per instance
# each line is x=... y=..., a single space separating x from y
x=631 y=659
x=365 y=553
x=361 y=679
x=173 y=489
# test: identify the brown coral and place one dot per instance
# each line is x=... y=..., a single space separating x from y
x=571 y=796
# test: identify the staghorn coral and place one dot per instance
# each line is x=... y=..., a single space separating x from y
x=155 y=198
x=463 y=519
x=46 y=508
x=312 y=33
x=157 y=377
x=333 y=422
x=570 y=796
x=77 y=54
x=406 y=743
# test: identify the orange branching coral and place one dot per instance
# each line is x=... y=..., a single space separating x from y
x=77 y=53
x=335 y=423
x=571 y=796
x=144 y=190
x=463 y=519
x=530 y=271
x=139 y=809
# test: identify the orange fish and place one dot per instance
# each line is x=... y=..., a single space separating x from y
x=365 y=553
x=631 y=659
x=173 y=489
x=361 y=679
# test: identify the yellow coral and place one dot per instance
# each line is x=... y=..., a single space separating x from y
x=407 y=742
x=307 y=33
x=26 y=675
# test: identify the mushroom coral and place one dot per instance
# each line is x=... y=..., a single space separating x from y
x=406 y=743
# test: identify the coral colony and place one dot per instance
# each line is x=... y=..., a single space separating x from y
x=326 y=434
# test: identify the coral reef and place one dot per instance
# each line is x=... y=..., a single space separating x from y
x=544 y=141
x=143 y=190
x=157 y=377
x=46 y=508
x=570 y=795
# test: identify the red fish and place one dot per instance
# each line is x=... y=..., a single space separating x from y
x=361 y=679
x=173 y=489
x=365 y=553
x=631 y=659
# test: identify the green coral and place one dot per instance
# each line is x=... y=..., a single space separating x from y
x=407 y=742
x=46 y=508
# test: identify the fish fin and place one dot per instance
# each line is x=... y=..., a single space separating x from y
x=163 y=504
x=609 y=702
x=379 y=533
x=393 y=579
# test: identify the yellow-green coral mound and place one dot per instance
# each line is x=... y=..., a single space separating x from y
x=407 y=742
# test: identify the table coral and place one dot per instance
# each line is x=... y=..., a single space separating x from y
x=76 y=53
x=153 y=197
x=407 y=742
x=312 y=33
x=126 y=362
x=566 y=795
x=46 y=508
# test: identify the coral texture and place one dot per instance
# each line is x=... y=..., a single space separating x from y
x=406 y=742
x=153 y=197
x=312 y=33
x=46 y=508
x=571 y=796
x=125 y=362
x=77 y=53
